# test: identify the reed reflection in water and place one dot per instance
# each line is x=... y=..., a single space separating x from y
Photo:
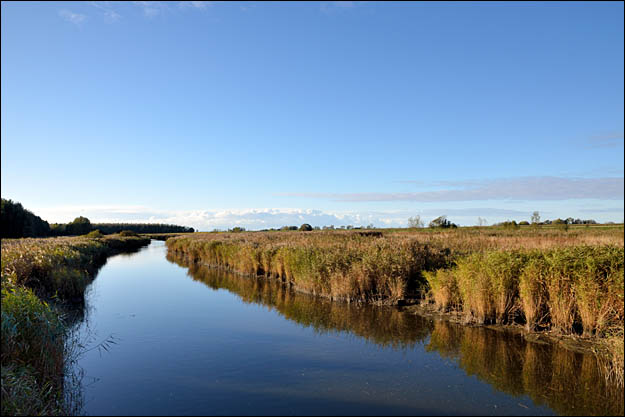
x=568 y=382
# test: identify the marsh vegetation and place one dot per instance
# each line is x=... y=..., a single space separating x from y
x=546 y=279
x=568 y=381
x=40 y=278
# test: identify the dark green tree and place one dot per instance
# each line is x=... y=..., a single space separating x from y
x=80 y=226
x=17 y=222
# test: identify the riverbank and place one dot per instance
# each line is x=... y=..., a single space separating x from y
x=39 y=276
x=568 y=282
x=561 y=372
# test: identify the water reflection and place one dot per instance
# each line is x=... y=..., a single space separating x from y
x=568 y=382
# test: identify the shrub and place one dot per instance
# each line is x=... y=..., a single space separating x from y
x=94 y=234
x=126 y=233
x=305 y=228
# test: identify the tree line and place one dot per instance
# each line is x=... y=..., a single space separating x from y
x=19 y=222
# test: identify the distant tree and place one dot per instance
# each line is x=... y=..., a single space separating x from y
x=109 y=228
x=370 y=226
x=535 y=217
x=415 y=222
x=510 y=224
x=58 y=229
x=237 y=229
x=19 y=222
x=524 y=223
x=80 y=226
x=305 y=227
x=481 y=222
x=442 y=222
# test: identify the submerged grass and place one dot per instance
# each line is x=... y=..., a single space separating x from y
x=38 y=275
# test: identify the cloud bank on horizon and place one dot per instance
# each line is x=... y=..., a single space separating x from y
x=531 y=191
x=528 y=188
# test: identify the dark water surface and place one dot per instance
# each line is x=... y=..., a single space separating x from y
x=200 y=341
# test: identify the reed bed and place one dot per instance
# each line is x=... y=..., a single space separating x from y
x=341 y=266
x=39 y=275
x=565 y=289
x=549 y=279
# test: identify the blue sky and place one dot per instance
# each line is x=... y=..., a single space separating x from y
x=259 y=115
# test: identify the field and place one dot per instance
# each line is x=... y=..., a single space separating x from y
x=39 y=277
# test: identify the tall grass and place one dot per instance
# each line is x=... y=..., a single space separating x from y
x=38 y=274
x=564 y=289
x=570 y=282
x=346 y=266
x=381 y=325
x=533 y=291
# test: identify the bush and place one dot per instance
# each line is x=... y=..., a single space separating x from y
x=305 y=228
x=127 y=233
x=95 y=234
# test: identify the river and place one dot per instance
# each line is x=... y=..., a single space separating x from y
x=186 y=339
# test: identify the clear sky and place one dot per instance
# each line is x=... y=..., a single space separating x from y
x=220 y=114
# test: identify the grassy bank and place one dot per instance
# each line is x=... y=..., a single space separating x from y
x=371 y=266
x=569 y=381
x=38 y=275
x=568 y=281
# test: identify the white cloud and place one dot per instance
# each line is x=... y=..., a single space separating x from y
x=75 y=18
x=252 y=219
x=195 y=4
x=332 y=6
x=266 y=218
x=105 y=7
x=150 y=8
